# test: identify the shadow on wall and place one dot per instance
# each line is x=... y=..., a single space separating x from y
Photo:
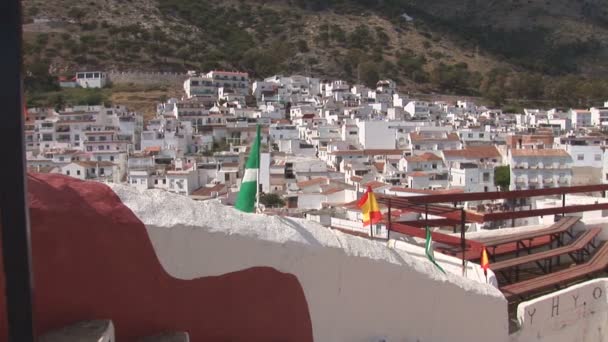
x=92 y=259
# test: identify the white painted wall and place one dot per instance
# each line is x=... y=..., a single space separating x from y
x=356 y=289
x=265 y=171
x=376 y=135
x=586 y=155
x=576 y=314
x=350 y=298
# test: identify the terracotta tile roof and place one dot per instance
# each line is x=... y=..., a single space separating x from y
x=428 y=156
x=332 y=190
x=207 y=191
x=314 y=181
x=474 y=152
x=229 y=72
x=379 y=166
x=94 y=163
x=375 y=184
x=539 y=153
x=415 y=136
x=371 y=152
x=152 y=149
x=308 y=116
x=418 y=174
x=426 y=191
x=356 y=179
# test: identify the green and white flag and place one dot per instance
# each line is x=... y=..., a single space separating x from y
x=246 y=199
x=428 y=249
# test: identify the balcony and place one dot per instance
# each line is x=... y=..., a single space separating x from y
x=443 y=177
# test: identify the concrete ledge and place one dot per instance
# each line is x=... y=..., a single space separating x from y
x=85 y=331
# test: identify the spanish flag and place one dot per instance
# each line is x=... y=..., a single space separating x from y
x=369 y=208
x=485 y=262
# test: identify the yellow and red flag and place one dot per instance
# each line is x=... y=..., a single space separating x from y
x=485 y=262
x=369 y=208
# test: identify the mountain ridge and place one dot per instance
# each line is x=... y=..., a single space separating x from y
x=441 y=50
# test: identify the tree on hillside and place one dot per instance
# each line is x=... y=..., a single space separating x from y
x=369 y=74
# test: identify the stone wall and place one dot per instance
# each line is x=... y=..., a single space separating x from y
x=147 y=78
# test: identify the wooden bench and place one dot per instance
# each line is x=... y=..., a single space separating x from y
x=559 y=227
x=597 y=263
x=500 y=245
x=580 y=244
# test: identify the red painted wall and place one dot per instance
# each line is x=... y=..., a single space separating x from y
x=92 y=259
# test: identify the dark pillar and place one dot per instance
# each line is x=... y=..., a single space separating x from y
x=463 y=245
x=14 y=217
x=390 y=221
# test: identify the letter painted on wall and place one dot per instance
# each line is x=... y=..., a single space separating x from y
x=572 y=310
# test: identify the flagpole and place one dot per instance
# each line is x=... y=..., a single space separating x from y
x=257 y=174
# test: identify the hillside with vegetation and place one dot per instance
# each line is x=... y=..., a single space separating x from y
x=507 y=51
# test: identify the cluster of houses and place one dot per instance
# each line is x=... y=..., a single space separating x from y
x=324 y=143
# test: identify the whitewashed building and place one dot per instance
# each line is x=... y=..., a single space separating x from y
x=540 y=168
x=91 y=79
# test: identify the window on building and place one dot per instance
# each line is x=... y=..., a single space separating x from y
x=98 y=158
x=580 y=157
x=61 y=158
x=111 y=158
x=481 y=135
x=226 y=177
x=486 y=177
x=102 y=138
x=164 y=181
x=434 y=166
x=78 y=172
x=598 y=157
x=470 y=135
x=102 y=171
x=67 y=172
x=92 y=138
x=156 y=182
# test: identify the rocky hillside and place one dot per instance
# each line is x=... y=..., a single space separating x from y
x=449 y=46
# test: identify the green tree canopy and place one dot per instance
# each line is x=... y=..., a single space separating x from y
x=272 y=200
x=502 y=177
